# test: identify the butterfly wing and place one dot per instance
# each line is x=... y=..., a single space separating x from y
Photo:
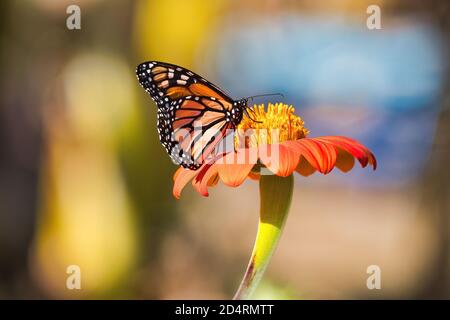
x=193 y=114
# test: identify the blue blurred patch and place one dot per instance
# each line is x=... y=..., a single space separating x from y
x=380 y=87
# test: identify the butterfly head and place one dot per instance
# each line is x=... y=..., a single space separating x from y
x=242 y=104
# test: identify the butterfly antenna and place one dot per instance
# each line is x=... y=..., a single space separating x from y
x=265 y=95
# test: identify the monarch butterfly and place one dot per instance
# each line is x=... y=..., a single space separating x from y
x=193 y=114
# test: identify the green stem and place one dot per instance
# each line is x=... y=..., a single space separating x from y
x=276 y=195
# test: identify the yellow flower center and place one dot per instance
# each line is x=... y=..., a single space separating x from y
x=277 y=124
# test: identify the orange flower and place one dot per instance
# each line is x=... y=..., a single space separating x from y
x=275 y=139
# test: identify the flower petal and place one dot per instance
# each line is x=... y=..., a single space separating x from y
x=356 y=149
x=206 y=176
x=321 y=155
x=345 y=161
x=279 y=159
x=236 y=166
x=302 y=149
x=181 y=178
x=329 y=155
x=214 y=180
x=305 y=168
x=254 y=175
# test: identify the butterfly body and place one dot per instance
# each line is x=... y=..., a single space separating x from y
x=193 y=114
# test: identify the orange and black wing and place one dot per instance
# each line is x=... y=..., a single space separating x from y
x=193 y=114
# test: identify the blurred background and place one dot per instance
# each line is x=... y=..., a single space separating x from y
x=84 y=180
